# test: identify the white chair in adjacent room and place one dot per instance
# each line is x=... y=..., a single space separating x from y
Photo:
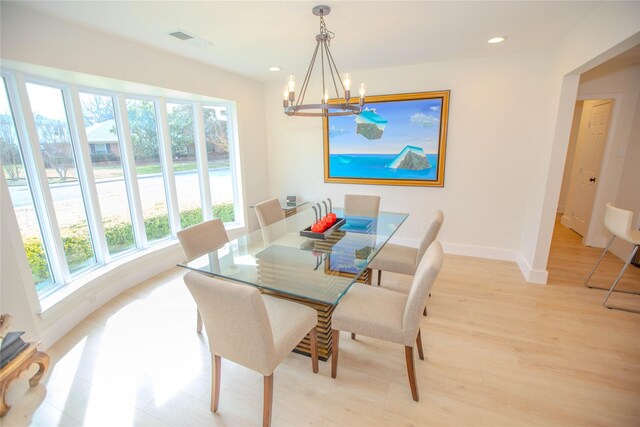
x=200 y=239
x=270 y=215
x=620 y=223
x=254 y=330
x=388 y=315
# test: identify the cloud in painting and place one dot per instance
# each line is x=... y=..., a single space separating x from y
x=336 y=131
x=434 y=108
x=423 y=120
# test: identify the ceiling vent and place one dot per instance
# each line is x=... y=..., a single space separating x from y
x=181 y=35
x=192 y=40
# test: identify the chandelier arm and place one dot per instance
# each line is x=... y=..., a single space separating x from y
x=332 y=66
x=324 y=47
x=307 y=77
x=332 y=62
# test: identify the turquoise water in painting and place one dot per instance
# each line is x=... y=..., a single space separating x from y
x=374 y=166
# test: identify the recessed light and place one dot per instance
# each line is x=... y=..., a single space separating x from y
x=274 y=68
x=494 y=40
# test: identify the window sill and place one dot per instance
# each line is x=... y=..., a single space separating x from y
x=81 y=288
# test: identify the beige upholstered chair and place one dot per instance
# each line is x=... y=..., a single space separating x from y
x=357 y=205
x=269 y=215
x=199 y=239
x=387 y=315
x=620 y=223
x=250 y=329
x=405 y=259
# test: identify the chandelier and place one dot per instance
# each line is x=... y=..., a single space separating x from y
x=342 y=106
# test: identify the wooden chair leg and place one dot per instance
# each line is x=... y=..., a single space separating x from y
x=335 y=338
x=215 y=382
x=353 y=336
x=313 y=338
x=268 y=400
x=198 y=322
x=419 y=345
x=411 y=372
x=379 y=277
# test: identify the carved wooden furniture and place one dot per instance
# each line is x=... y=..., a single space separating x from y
x=21 y=363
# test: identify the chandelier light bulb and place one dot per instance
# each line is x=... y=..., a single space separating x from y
x=347 y=81
x=291 y=83
x=363 y=90
x=326 y=96
x=285 y=93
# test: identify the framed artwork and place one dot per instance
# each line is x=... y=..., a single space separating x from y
x=396 y=140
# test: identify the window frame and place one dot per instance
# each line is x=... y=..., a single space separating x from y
x=35 y=171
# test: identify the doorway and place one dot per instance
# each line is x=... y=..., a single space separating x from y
x=584 y=162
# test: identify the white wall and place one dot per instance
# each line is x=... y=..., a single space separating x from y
x=610 y=29
x=509 y=126
x=497 y=119
x=59 y=49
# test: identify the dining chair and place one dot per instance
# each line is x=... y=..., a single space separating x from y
x=359 y=205
x=199 y=239
x=620 y=223
x=253 y=330
x=269 y=215
x=404 y=259
x=388 y=315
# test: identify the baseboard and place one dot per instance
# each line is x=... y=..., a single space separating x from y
x=529 y=274
x=566 y=221
x=538 y=277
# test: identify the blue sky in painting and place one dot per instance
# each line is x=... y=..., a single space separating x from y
x=414 y=123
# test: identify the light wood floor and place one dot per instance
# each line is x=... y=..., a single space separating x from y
x=498 y=352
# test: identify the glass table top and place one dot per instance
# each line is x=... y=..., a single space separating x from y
x=279 y=259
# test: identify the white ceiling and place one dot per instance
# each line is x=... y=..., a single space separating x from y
x=247 y=37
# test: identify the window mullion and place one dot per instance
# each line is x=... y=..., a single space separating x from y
x=85 y=173
x=130 y=174
x=34 y=163
x=203 y=164
x=164 y=140
x=236 y=180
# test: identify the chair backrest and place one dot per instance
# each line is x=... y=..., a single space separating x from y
x=269 y=212
x=431 y=235
x=270 y=216
x=618 y=221
x=423 y=280
x=202 y=238
x=358 y=205
x=236 y=321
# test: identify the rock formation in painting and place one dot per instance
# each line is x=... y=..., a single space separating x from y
x=411 y=158
x=370 y=125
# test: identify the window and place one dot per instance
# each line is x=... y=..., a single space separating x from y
x=102 y=132
x=185 y=169
x=56 y=148
x=216 y=131
x=146 y=151
x=92 y=177
x=21 y=196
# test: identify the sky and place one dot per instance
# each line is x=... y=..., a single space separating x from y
x=414 y=123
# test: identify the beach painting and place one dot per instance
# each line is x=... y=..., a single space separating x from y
x=396 y=140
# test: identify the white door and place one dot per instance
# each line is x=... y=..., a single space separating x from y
x=590 y=149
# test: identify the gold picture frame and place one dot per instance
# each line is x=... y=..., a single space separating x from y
x=398 y=139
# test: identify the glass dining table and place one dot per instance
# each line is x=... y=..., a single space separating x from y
x=316 y=271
